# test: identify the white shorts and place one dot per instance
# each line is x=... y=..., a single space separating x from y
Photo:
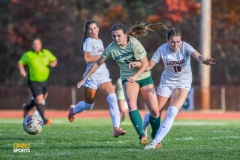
x=166 y=90
x=96 y=79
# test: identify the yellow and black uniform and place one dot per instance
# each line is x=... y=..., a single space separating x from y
x=38 y=69
x=38 y=64
x=38 y=74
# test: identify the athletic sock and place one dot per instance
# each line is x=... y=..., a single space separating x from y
x=114 y=109
x=81 y=106
x=30 y=105
x=166 y=124
x=40 y=109
x=155 y=124
x=136 y=119
x=146 y=120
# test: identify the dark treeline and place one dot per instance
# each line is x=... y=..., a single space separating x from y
x=59 y=23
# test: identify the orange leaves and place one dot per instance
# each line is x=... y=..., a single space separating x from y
x=15 y=1
x=176 y=8
x=233 y=17
x=153 y=18
x=116 y=12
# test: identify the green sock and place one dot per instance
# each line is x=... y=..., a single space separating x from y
x=136 y=121
x=155 y=124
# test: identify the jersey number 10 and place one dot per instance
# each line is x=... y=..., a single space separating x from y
x=177 y=68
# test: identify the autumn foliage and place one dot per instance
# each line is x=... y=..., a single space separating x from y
x=60 y=25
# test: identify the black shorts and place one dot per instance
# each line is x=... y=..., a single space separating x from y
x=37 y=88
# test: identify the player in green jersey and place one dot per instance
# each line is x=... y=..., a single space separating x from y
x=125 y=49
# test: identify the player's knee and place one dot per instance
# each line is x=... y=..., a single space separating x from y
x=172 y=112
x=112 y=98
x=39 y=101
x=132 y=105
x=154 y=114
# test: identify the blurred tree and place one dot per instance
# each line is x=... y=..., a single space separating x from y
x=60 y=25
x=225 y=37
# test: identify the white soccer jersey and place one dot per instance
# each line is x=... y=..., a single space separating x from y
x=177 y=65
x=95 y=47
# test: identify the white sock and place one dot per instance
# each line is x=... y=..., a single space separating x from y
x=166 y=124
x=114 y=110
x=146 y=120
x=81 y=106
x=43 y=102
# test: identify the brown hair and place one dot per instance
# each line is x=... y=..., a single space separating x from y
x=173 y=32
x=86 y=26
x=141 y=29
x=138 y=30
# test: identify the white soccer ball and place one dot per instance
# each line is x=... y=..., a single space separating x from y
x=33 y=124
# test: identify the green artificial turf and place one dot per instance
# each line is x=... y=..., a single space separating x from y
x=92 y=139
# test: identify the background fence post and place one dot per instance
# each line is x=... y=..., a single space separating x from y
x=73 y=91
x=223 y=99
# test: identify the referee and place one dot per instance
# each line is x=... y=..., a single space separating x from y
x=38 y=62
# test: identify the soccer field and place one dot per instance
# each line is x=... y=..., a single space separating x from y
x=92 y=139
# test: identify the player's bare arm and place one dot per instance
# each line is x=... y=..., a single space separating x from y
x=201 y=59
x=53 y=63
x=90 y=58
x=138 y=64
x=22 y=70
x=142 y=68
x=93 y=68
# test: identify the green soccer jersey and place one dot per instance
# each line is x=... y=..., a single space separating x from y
x=123 y=55
x=38 y=64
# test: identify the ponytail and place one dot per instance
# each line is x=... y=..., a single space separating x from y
x=86 y=25
x=138 y=30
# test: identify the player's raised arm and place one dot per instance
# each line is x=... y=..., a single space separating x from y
x=203 y=60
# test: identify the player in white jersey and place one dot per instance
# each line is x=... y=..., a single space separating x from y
x=175 y=80
x=92 y=48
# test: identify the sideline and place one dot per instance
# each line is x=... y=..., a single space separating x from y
x=210 y=115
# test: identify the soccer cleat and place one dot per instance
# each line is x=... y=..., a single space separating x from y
x=143 y=140
x=49 y=121
x=70 y=114
x=118 y=132
x=152 y=145
x=159 y=145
